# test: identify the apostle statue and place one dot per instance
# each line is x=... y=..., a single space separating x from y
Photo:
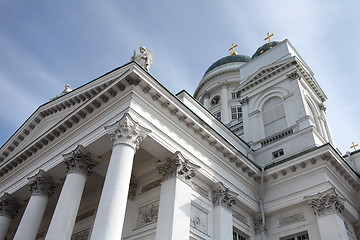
x=143 y=58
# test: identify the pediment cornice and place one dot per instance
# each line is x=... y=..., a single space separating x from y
x=96 y=95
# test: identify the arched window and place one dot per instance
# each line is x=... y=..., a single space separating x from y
x=274 y=116
x=215 y=100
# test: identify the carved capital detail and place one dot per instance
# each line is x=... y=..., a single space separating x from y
x=223 y=196
x=127 y=131
x=326 y=202
x=42 y=184
x=79 y=161
x=178 y=166
x=9 y=206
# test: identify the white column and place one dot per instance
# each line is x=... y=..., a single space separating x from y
x=225 y=113
x=328 y=206
x=175 y=199
x=223 y=200
x=126 y=135
x=79 y=166
x=42 y=187
x=9 y=208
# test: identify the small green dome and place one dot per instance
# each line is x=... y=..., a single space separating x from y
x=264 y=48
x=228 y=59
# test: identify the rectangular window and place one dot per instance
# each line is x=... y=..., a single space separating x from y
x=299 y=236
x=238 y=236
x=278 y=153
x=235 y=95
x=236 y=113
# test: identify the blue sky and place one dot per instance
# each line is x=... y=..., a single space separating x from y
x=47 y=44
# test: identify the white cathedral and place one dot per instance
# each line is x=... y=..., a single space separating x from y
x=248 y=156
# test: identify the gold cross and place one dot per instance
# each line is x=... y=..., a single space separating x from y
x=354 y=146
x=268 y=37
x=232 y=51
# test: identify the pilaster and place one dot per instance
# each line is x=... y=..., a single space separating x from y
x=175 y=198
x=328 y=206
x=223 y=200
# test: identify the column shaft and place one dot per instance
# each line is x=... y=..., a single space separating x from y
x=174 y=210
x=111 y=211
x=63 y=220
x=31 y=220
x=224 y=104
x=222 y=223
x=332 y=227
x=4 y=226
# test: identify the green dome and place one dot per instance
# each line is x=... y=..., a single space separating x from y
x=264 y=48
x=228 y=59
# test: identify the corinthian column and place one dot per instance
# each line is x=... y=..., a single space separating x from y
x=175 y=198
x=223 y=200
x=79 y=166
x=126 y=134
x=9 y=208
x=327 y=207
x=42 y=187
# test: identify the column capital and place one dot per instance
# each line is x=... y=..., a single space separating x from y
x=223 y=84
x=223 y=196
x=178 y=166
x=9 y=206
x=42 y=184
x=79 y=161
x=127 y=131
x=326 y=202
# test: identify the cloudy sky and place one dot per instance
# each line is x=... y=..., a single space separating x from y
x=47 y=44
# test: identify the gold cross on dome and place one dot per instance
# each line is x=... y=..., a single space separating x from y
x=269 y=37
x=232 y=51
x=354 y=146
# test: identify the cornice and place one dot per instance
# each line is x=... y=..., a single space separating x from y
x=307 y=160
x=99 y=95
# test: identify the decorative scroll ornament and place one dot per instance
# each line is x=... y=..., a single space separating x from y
x=42 y=184
x=127 y=131
x=178 y=166
x=224 y=196
x=79 y=161
x=9 y=206
x=326 y=202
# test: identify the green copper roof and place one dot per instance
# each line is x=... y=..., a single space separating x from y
x=264 y=48
x=228 y=59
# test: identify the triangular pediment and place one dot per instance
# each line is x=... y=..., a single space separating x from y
x=265 y=72
x=65 y=110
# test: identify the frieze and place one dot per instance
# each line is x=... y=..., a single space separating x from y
x=291 y=219
x=202 y=191
x=148 y=214
x=151 y=185
x=239 y=217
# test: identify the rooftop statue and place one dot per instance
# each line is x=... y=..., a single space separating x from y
x=143 y=58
